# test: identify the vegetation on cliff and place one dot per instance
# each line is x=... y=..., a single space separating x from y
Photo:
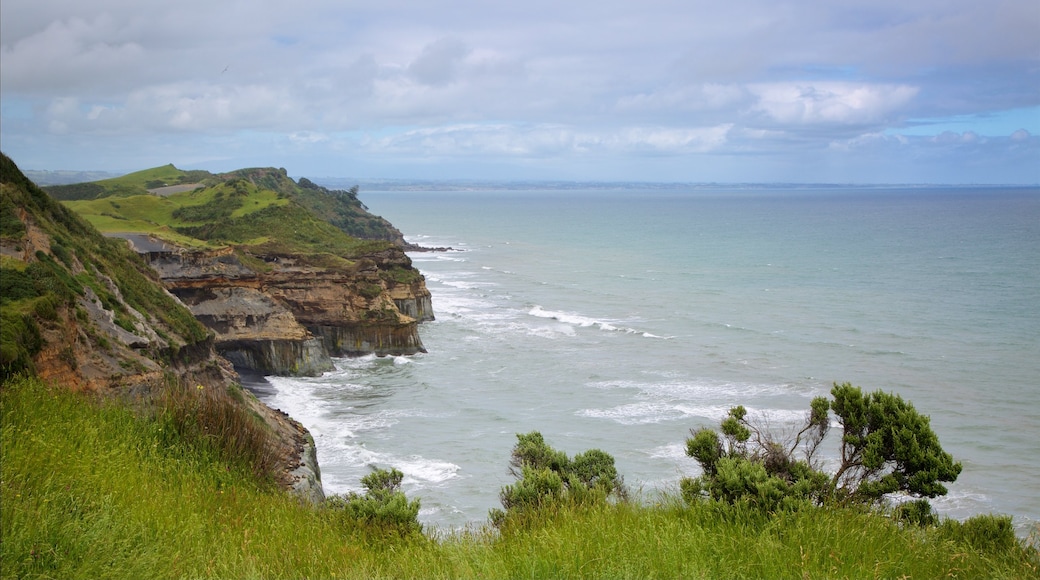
x=260 y=213
x=55 y=267
x=286 y=274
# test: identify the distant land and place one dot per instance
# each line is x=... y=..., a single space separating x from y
x=371 y=184
x=44 y=177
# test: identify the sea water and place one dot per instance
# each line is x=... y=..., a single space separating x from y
x=620 y=320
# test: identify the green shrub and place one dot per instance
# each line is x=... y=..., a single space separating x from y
x=11 y=226
x=16 y=284
x=46 y=307
x=371 y=291
x=916 y=512
x=547 y=478
x=62 y=254
x=383 y=507
x=19 y=342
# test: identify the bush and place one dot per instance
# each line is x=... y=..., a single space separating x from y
x=547 y=477
x=19 y=342
x=383 y=507
x=11 y=226
x=917 y=512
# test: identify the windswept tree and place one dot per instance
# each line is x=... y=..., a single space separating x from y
x=886 y=447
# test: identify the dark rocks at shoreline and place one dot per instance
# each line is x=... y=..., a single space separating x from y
x=417 y=248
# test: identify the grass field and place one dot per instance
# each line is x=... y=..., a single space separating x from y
x=234 y=212
x=90 y=490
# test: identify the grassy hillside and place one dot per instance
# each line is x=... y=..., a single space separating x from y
x=95 y=492
x=171 y=216
x=259 y=211
x=51 y=259
x=88 y=314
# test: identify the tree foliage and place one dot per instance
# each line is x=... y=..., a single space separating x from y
x=886 y=447
x=546 y=476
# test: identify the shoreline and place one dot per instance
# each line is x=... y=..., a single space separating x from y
x=256 y=382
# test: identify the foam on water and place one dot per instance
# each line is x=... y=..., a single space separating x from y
x=672 y=451
x=582 y=321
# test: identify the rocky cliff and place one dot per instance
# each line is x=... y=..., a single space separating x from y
x=85 y=313
x=286 y=317
x=285 y=274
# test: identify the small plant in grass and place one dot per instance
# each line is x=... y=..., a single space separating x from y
x=916 y=512
x=383 y=506
x=886 y=447
x=547 y=477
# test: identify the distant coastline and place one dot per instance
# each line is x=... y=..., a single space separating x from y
x=370 y=184
x=44 y=177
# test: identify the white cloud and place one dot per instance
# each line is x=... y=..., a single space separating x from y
x=707 y=96
x=547 y=140
x=1020 y=135
x=830 y=102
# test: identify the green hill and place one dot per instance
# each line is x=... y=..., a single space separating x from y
x=259 y=211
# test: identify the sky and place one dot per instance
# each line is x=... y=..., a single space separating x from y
x=839 y=91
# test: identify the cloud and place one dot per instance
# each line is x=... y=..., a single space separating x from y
x=439 y=62
x=69 y=53
x=700 y=97
x=548 y=140
x=1021 y=136
x=830 y=102
x=494 y=83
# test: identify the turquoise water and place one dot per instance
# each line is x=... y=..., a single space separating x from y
x=620 y=320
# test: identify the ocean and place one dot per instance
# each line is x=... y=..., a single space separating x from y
x=622 y=319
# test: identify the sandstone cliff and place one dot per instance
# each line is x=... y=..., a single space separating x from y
x=287 y=317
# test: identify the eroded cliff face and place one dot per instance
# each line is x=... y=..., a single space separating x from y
x=280 y=315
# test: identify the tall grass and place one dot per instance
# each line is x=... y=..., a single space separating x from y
x=93 y=491
x=209 y=419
